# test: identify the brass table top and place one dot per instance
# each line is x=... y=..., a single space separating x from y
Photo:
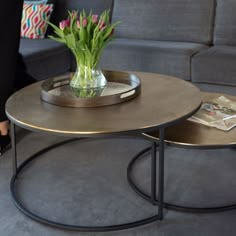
x=191 y=134
x=162 y=101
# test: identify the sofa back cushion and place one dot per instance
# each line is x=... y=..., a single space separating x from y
x=62 y=7
x=225 y=26
x=172 y=20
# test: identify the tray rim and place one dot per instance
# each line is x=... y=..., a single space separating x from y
x=98 y=101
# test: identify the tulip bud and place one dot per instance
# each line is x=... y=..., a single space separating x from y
x=102 y=25
x=62 y=25
x=85 y=22
x=103 y=28
x=67 y=23
x=94 y=18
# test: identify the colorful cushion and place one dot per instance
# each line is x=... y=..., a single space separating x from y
x=36 y=1
x=40 y=1
x=34 y=20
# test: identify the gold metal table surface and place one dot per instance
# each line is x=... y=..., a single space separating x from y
x=191 y=134
x=163 y=100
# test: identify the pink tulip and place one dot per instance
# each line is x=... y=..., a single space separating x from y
x=67 y=22
x=103 y=28
x=85 y=22
x=78 y=24
x=94 y=18
x=102 y=25
x=62 y=25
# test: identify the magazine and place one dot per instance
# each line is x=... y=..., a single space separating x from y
x=218 y=112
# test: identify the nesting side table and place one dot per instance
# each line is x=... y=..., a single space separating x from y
x=188 y=134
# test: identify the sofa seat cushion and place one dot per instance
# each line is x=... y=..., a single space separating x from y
x=215 y=65
x=44 y=57
x=216 y=88
x=171 y=58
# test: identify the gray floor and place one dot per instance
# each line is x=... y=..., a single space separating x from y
x=85 y=183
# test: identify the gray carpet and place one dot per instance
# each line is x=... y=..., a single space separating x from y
x=84 y=183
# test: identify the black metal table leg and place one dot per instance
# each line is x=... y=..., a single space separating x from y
x=160 y=200
x=153 y=173
x=161 y=172
x=13 y=144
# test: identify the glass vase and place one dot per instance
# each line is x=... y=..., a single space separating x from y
x=87 y=81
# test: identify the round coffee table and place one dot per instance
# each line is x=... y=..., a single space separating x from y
x=163 y=101
x=188 y=134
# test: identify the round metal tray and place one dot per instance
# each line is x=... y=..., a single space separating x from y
x=121 y=87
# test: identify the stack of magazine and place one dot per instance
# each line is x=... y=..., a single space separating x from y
x=218 y=112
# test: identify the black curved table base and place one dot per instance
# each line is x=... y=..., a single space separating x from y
x=24 y=210
x=170 y=206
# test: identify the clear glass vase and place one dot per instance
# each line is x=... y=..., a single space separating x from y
x=87 y=81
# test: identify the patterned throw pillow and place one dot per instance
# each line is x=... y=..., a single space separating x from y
x=36 y=1
x=40 y=1
x=34 y=20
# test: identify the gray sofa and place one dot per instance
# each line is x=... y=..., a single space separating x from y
x=192 y=40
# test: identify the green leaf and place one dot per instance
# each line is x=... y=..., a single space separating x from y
x=82 y=34
x=57 y=39
x=70 y=41
x=57 y=30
